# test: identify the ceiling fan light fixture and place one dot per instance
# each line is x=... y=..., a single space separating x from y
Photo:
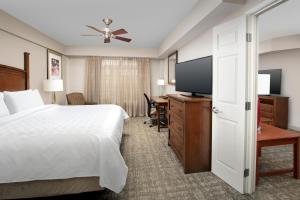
x=109 y=34
x=107 y=21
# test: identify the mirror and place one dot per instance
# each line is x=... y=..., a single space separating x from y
x=172 y=60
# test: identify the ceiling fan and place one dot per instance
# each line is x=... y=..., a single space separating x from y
x=107 y=33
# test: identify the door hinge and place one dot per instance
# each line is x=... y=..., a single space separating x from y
x=248 y=105
x=249 y=37
x=246 y=173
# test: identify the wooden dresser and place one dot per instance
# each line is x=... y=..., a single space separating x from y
x=275 y=110
x=190 y=131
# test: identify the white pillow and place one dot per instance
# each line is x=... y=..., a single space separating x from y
x=3 y=108
x=22 y=100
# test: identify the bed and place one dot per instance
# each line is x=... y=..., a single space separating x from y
x=54 y=150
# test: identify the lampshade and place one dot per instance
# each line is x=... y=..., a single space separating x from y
x=53 y=85
x=160 y=82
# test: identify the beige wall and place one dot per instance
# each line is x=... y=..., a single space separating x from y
x=289 y=62
x=12 y=48
x=199 y=47
x=157 y=72
x=13 y=25
x=75 y=74
x=111 y=51
x=279 y=44
x=202 y=45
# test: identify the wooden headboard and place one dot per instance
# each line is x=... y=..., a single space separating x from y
x=14 y=79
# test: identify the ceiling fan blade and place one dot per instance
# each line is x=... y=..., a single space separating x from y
x=119 y=32
x=88 y=35
x=106 y=40
x=122 y=39
x=96 y=29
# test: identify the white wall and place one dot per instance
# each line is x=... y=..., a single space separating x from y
x=289 y=62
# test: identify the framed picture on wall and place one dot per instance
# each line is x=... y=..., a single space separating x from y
x=172 y=61
x=54 y=65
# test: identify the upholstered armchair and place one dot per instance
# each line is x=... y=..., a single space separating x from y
x=77 y=98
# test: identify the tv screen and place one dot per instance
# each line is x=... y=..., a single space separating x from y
x=275 y=81
x=194 y=76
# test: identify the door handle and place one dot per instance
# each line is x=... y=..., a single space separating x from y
x=216 y=110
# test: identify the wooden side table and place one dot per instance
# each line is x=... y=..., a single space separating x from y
x=273 y=136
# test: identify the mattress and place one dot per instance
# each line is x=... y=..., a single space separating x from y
x=61 y=142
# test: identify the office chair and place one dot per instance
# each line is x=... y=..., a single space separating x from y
x=151 y=111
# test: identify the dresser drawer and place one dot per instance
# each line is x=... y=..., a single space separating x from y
x=266 y=108
x=177 y=108
x=267 y=115
x=176 y=143
x=176 y=125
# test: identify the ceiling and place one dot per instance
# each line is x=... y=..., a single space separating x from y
x=147 y=21
x=280 y=21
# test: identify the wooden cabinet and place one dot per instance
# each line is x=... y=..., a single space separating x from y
x=274 y=110
x=190 y=131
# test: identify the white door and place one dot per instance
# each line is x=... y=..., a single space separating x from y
x=229 y=89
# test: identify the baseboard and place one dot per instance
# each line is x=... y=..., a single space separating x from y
x=295 y=128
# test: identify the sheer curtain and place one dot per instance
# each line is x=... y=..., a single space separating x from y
x=118 y=80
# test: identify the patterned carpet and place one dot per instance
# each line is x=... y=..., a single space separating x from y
x=155 y=173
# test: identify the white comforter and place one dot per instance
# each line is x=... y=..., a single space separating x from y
x=59 y=142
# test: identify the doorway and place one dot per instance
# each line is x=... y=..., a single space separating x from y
x=273 y=55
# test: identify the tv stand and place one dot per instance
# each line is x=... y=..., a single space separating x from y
x=275 y=110
x=190 y=131
x=193 y=95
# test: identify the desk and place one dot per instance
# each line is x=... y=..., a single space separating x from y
x=273 y=136
x=159 y=102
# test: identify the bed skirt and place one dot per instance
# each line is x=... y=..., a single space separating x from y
x=47 y=188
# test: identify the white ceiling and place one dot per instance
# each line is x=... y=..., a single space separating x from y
x=147 y=21
x=280 y=21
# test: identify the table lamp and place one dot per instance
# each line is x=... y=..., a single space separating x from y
x=161 y=83
x=53 y=86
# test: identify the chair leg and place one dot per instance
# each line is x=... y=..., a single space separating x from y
x=148 y=120
x=153 y=122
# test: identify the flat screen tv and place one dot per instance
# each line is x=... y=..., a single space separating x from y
x=194 y=76
x=275 y=80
